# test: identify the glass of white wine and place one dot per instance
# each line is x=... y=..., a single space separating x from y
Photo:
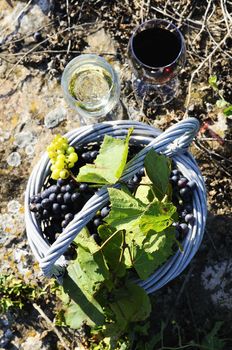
x=91 y=87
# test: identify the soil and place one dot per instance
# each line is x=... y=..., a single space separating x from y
x=33 y=54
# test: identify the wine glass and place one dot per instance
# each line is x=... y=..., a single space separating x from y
x=156 y=52
x=91 y=87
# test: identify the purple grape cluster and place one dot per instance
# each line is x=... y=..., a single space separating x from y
x=182 y=198
x=59 y=201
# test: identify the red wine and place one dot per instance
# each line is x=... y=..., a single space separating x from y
x=156 y=47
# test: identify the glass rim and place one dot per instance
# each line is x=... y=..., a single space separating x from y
x=90 y=58
x=159 y=20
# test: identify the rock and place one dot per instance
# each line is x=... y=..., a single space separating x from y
x=54 y=117
x=23 y=139
x=100 y=42
x=14 y=159
x=217 y=279
x=45 y=5
x=13 y=206
x=34 y=343
x=32 y=20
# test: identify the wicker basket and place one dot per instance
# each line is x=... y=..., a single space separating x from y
x=174 y=143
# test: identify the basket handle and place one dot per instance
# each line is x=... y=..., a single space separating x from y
x=178 y=137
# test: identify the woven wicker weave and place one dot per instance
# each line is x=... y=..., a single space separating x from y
x=174 y=143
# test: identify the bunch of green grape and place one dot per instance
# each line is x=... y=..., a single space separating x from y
x=63 y=157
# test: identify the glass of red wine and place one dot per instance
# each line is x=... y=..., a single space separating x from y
x=156 y=52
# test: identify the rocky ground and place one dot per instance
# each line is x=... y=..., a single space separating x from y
x=37 y=39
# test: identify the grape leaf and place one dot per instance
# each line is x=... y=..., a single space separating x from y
x=157 y=217
x=82 y=306
x=131 y=304
x=128 y=212
x=109 y=164
x=144 y=191
x=125 y=209
x=156 y=248
x=158 y=169
x=93 y=268
x=112 y=250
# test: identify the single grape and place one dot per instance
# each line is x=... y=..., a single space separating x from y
x=105 y=211
x=75 y=196
x=61 y=157
x=52 y=197
x=183 y=213
x=46 y=203
x=59 y=164
x=141 y=172
x=70 y=150
x=182 y=182
x=174 y=179
x=93 y=154
x=97 y=222
x=45 y=214
x=64 y=223
x=67 y=198
x=83 y=187
x=86 y=156
x=192 y=185
x=60 y=198
x=185 y=193
x=39 y=207
x=135 y=179
x=53 y=189
x=61 y=182
x=189 y=218
x=72 y=158
x=55 y=174
x=69 y=216
x=175 y=172
x=44 y=194
x=38 y=215
x=69 y=188
x=64 y=174
x=64 y=208
x=189 y=208
x=184 y=228
x=56 y=208
x=63 y=189
x=70 y=165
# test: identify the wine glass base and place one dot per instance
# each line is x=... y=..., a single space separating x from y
x=155 y=95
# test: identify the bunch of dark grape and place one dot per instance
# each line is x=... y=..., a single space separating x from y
x=59 y=201
x=183 y=199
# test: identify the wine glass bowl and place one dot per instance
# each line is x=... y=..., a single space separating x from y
x=156 y=53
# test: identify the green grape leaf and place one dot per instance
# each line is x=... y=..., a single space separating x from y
x=158 y=169
x=146 y=230
x=131 y=304
x=144 y=191
x=156 y=249
x=157 y=217
x=125 y=209
x=82 y=308
x=228 y=111
x=112 y=249
x=109 y=164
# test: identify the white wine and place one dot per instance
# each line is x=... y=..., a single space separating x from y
x=91 y=86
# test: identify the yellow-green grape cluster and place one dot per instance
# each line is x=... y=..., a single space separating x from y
x=63 y=157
